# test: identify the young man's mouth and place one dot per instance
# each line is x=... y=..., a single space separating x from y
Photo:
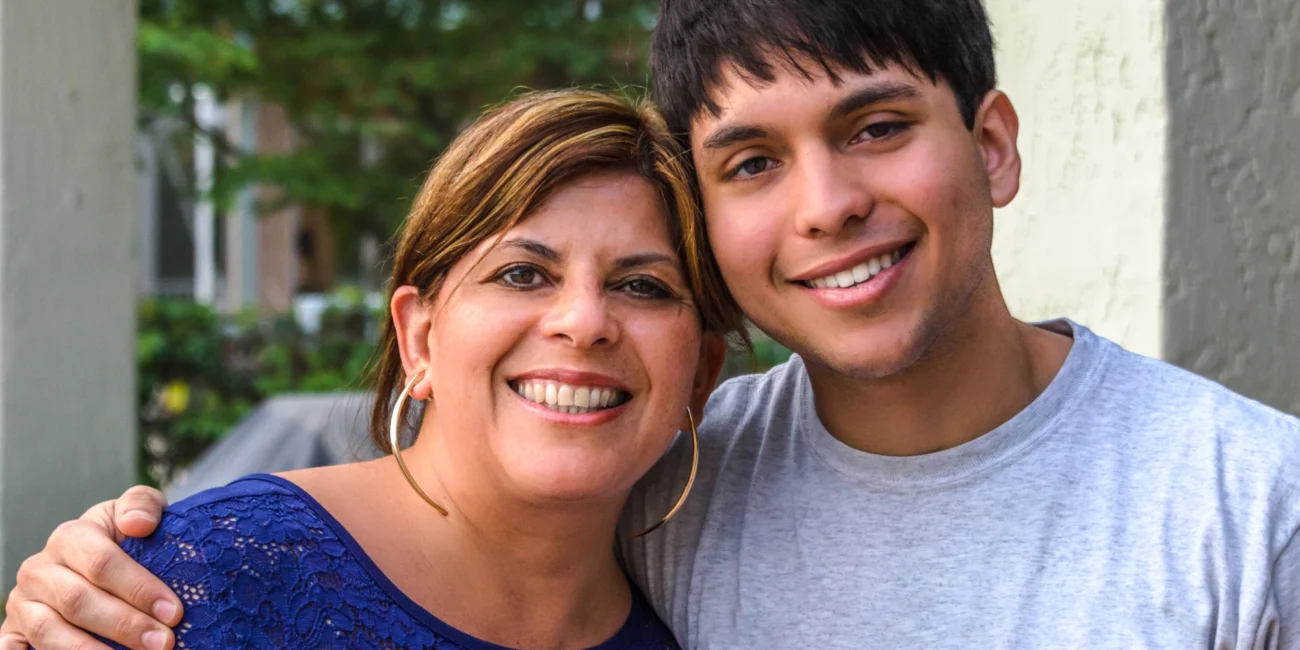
x=569 y=398
x=863 y=272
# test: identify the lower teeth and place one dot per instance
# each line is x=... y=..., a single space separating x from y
x=572 y=410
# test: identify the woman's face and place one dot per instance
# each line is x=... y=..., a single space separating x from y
x=561 y=356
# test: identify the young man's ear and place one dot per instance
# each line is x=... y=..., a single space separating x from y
x=713 y=352
x=997 y=128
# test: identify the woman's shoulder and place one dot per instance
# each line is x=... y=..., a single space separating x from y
x=257 y=562
x=256 y=509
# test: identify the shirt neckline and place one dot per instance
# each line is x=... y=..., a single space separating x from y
x=942 y=468
x=624 y=638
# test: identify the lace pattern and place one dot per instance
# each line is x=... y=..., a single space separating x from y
x=259 y=566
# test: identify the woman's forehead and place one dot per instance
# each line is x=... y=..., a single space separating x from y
x=617 y=211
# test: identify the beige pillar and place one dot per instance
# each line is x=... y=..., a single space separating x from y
x=67 y=269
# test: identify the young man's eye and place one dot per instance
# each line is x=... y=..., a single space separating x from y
x=879 y=131
x=643 y=287
x=521 y=277
x=752 y=167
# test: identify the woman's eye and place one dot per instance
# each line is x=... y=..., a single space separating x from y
x=753 y=167
x=521 y=277
x=645 y=288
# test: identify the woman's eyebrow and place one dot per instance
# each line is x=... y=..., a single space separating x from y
x=643 y=259
x=535 y=248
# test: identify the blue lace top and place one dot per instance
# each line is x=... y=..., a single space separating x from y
x=260 y=564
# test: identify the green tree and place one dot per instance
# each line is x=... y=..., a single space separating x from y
x=395 y=79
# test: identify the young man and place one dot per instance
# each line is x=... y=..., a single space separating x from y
x=928 y=471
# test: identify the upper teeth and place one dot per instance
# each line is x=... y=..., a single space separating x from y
x=858 y=274
x=566 y=398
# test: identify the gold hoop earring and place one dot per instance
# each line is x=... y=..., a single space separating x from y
x=397 y=450
x=690 y=481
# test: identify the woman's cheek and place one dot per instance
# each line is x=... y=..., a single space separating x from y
x=670 y=350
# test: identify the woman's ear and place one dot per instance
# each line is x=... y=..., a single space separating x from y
x=412 y=322
x=713 y=351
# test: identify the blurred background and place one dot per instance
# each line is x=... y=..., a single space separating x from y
x=196 y=201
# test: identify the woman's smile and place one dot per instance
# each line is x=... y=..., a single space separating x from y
x=572 y=396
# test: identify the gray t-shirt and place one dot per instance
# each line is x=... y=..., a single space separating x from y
x=1132 y=505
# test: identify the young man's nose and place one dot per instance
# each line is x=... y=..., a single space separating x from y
x=829 y=194
x=580 y=317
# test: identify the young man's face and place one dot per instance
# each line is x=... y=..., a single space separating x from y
x=853 y=221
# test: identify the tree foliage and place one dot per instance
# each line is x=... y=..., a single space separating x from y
x=373 y=89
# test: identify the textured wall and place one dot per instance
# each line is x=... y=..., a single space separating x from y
x=1085 y=236
x=1232 y=293
x=67 y=274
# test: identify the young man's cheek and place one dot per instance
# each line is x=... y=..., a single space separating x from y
x=745 y=236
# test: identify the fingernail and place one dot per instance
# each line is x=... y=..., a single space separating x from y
x=154 y=639
x=164 y=610
x=142 y=515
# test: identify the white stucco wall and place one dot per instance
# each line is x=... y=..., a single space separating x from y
x=67 y=273
x=1232 y=295
x=1084 y=238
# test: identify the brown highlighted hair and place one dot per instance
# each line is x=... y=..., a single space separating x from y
x=511 y=160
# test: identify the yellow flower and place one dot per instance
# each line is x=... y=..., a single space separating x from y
x=175 y=396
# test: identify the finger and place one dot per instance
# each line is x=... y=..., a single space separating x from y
x=138 y=511
x=83 y=549
x=46 y=629
x=10 y=636
x=13 y=642
x=81 y=604
x=10 y=623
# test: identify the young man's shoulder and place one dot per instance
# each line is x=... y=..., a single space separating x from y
x=1188 y=400
x=1172 y=411
x=753 y=403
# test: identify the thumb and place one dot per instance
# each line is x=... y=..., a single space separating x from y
x=136 y=513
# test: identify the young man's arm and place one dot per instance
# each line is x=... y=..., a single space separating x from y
x=83 y=579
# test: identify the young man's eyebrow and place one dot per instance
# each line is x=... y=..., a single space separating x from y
x=729 y=135
x=873 y=94
x=535 y=248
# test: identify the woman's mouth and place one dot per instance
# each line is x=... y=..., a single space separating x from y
x=568 y=398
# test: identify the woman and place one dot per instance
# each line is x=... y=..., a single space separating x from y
x=555 y=311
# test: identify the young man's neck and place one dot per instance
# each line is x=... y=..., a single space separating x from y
x=978 y=374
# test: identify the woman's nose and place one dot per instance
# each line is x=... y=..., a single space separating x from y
x=581 y=318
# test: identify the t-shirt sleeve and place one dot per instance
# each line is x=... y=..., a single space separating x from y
x=1286 y=591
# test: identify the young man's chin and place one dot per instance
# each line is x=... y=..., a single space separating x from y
x=872 y=352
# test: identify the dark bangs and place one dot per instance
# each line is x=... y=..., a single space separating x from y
x=944 y=40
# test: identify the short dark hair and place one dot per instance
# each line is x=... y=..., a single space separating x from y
x=948 y=40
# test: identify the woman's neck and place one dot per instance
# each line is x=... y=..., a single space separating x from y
x=508 y=573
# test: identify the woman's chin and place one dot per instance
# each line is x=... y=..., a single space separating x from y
x=573 y=478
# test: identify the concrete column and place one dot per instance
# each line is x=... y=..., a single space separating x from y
x=277 y=234
x=1232 y=230
x=242 y=249
x=67 y=273
x=1159 y=204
